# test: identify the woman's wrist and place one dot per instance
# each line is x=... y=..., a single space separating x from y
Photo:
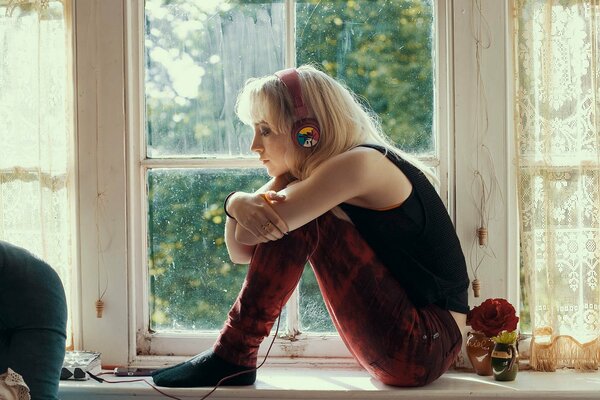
x=225 y=204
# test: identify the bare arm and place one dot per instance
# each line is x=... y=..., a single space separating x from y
x=362 y=176
x=241 y=252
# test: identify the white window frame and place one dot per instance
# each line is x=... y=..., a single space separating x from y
x=109 y=118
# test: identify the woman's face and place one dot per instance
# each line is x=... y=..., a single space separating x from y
x=273 y=148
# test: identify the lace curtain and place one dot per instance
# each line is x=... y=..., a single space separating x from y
x=36 y=132
x=557 y=57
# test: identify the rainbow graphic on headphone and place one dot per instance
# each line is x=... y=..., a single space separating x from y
x=305 y=131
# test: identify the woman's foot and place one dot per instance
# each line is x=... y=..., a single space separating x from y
x=205 y=369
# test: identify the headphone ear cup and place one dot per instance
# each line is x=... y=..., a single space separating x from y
x=306 y=132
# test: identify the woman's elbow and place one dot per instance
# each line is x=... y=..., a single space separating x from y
x=238 y=259
x=246 y=238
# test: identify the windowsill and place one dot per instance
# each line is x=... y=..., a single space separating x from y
x=305 y=383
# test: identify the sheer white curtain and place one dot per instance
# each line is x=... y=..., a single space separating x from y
x=558 y=136
x=36 y=131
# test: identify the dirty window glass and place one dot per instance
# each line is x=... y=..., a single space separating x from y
x=197 y=55
x=192 y=281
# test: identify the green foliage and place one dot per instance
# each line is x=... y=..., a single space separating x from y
x=506 y=337
x=196 y=59
x=192 y=280
x=382 y=50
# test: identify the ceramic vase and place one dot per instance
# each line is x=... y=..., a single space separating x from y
x=479 y=350
x=504 y=362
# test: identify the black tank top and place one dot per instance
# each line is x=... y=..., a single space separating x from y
x=417 y=242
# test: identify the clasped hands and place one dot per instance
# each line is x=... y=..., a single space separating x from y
x=253 y=212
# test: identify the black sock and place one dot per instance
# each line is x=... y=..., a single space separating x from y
x=205 y=369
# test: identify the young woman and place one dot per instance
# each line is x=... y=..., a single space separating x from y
x=376 y=233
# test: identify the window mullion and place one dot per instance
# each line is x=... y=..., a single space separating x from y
x=290 y=33
x=293 y=304
x=209 y=160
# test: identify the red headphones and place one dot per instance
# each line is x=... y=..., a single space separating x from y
x=305 y=131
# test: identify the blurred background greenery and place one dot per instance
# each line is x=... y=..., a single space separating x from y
x=197 y=56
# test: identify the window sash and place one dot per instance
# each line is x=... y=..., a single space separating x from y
x=308 y=345
x=109 y=93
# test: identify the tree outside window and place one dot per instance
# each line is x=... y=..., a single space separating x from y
x=197 y=56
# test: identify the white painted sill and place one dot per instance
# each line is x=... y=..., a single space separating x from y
x=320 y=384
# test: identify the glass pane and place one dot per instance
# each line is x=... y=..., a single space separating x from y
x=192 y=281
x=313 y=313
x=198 y=54
x=383 y=50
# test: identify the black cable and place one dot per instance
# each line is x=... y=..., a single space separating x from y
x=101 y=380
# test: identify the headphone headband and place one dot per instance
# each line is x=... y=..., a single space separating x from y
x=305 y=131
x=291 y=80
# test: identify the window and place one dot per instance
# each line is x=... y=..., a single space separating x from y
x=194 y=151
x=115 y=180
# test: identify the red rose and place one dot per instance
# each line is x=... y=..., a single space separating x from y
x=492 y=317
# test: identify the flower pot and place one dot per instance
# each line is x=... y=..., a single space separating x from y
x=504 y=362
x=479 y=350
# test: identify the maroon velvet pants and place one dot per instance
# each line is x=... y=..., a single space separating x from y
x=396 y=342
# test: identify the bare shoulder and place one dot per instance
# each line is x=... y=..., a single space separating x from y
x=364 y=152
x=380 y=182
x=360 y=160
x=364 y=168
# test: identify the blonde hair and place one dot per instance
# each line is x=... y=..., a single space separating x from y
x=344 y=121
